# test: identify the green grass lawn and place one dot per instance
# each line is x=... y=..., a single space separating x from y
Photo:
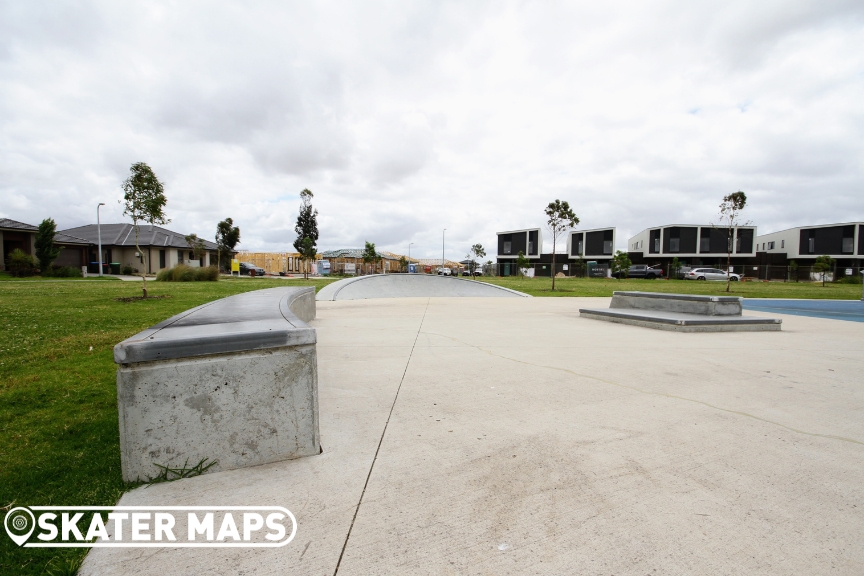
x=605 y=287
x=59 y=439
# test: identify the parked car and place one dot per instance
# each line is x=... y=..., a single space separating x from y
x=710 y=274
x=246 y=268
x=445 y=272
x=643 y=271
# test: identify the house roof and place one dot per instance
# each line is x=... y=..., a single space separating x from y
x=355 y=253
x=15 y=225
x=60 y=238
x=124 y=235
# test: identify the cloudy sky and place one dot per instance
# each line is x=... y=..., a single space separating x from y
x=405 y=118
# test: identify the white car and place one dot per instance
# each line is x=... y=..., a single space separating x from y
x=710 y=274
x=444 y=272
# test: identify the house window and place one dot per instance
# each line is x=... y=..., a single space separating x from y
x=674 y=244
x=530 y=247
x=657 y=245
x=179 y=256
x=770 y=245
x=161 y=258
x=847 y=245
x=811 y=245
x=782 y=243
x=704 y=244
x=607 y=247
x=508 y=247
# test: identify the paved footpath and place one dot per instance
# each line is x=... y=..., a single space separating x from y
x=511 y=436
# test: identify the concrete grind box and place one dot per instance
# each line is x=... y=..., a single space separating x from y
x=234 y=381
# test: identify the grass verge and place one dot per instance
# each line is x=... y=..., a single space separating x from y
x=604 y=287
x=59 y=438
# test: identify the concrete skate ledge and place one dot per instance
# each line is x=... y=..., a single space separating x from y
x=684 y=303
x=234 y=381
x=257 y=320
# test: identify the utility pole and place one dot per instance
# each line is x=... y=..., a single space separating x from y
x=409 y=256
x=442 y=252
x=99 y=232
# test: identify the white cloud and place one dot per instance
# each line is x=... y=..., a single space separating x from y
x=405 y=119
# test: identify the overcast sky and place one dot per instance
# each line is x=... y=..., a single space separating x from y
x=405 y=118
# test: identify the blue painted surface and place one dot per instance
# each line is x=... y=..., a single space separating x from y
x=832 y=309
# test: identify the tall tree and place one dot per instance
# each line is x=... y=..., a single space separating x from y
x=730 y=220
x=477 y=251
x=46 y=252
x=560 y=218
x=307 y=221
x=621 y=264
x=199 y=249
x=822 y=265
x=144 y=201
x=227 y=237
x=370 y=255
x=307 y=254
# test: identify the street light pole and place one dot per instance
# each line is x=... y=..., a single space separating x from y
x=99 y=232
x=442 y=252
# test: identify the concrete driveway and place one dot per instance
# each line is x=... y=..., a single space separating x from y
x=511 y=436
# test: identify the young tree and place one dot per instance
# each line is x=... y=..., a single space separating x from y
x=522 y=262
x=730 y=220
x=199 y=249
x=307 y=254
x=822 y=265
x=227 y=237
x=675 y=267
x=307 y=221
x=46 y=252
x=144 y=201
x=793 y=269
x=560 y=218
x=370 y=256
x=621 y=264
x=477 y=251
x=403 y=264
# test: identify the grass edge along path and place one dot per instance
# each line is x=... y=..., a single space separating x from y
x=59 y=437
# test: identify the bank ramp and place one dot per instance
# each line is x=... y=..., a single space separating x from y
x=412 y=286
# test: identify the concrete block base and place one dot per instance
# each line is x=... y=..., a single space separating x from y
x=684 y=322
x=240 y=409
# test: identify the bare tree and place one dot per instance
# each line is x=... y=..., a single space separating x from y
x=144 y=201
x=730 y=219
x=560 y=218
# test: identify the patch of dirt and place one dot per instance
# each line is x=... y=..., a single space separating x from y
x=137 y=298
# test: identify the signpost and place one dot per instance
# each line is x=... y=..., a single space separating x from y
x=235 y=267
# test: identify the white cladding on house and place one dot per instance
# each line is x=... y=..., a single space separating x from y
x=528 y=241
x=594 y=243
x=691 y=241
x=836 y=240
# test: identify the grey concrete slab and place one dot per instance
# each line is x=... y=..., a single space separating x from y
x=412 y=286
x=525 y=439
x=680 y=321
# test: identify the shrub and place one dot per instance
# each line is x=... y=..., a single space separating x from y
x=21 y=264
x=208 y=274
x=127 y=270
x=184 y=273
x=63 y=272
x=853 y=279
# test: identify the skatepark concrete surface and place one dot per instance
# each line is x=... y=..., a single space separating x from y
x=493 y=436
x=412 y=286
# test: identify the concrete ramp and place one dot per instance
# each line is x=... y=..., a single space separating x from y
x=412 y=285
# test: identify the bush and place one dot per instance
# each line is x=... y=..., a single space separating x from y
x=208 y=274
x=21 y=264
x=853 y=279
x=127 y=270
x=184 y=273
x=63 y=272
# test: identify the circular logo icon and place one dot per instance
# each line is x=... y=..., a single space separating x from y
x=19 y=524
